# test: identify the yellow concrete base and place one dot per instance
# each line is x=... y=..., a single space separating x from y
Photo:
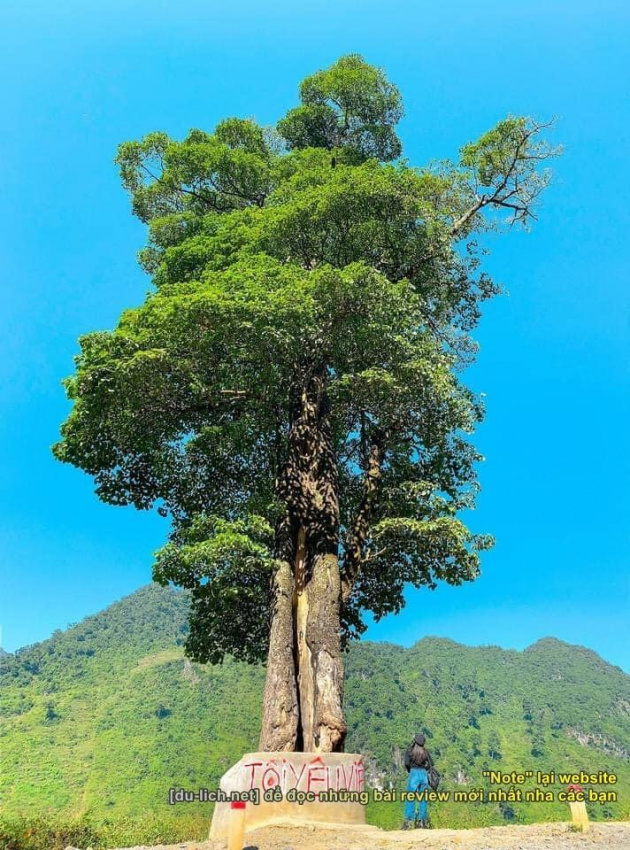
x=579 y=816
x=296 y=781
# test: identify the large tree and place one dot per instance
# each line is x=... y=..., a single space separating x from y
x=289 y=394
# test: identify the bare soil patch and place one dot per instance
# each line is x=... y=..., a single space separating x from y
x=547 y=836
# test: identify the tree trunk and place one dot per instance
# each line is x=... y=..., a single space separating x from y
x=312 y=679
x=280 y=713
x=320 y=660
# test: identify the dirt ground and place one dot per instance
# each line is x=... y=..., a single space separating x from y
x=548 y=836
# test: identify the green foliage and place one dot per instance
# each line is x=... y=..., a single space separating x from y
x=505 y=161
x=350 y=105
x=41 y=833
x=226 y=565
x=470 y=704
x=272 y=266
x=135 y=718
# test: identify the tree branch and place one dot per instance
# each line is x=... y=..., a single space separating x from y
x=358 y=533
x=508 y=186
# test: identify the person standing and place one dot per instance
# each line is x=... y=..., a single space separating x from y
x=418 y=763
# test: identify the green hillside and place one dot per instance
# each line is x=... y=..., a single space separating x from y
x=101 y=720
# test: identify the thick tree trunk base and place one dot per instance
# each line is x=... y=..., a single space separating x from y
x=280 y=715
x=320 y=660
x=302 y=700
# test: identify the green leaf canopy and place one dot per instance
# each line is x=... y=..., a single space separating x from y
x=277 y=255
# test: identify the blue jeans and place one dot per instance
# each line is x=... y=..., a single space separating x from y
x=418 y=782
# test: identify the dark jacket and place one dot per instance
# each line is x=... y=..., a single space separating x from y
x=417 y=755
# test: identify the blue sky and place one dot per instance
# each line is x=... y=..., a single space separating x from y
x=78 y=78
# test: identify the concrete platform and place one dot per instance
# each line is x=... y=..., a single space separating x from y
x=293 y=787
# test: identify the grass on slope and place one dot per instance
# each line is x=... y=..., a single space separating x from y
x=101 y=720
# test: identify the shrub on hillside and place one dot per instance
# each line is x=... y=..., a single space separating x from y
x=42 y=834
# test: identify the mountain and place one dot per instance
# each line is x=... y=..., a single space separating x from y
x=101 y=720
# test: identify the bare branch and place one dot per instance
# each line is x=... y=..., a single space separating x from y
x=518 y=187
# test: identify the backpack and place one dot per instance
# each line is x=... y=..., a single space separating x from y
x=434 y=777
